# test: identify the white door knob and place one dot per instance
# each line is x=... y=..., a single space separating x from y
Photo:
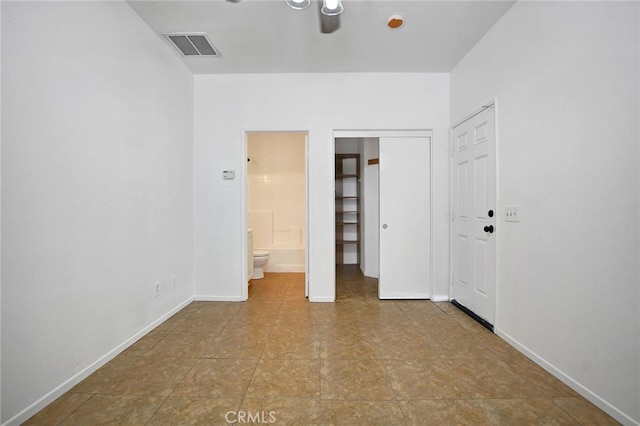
x=385 y=226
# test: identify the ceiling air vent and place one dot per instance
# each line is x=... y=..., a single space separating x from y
x=192 y=44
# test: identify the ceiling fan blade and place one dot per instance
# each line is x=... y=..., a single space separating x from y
x=328 y=24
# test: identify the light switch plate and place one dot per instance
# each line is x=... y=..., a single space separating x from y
x=512 y=214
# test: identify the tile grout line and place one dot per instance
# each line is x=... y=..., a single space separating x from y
x=397 y=400
x=183 y=377
x=76 y=409
x=244 y=395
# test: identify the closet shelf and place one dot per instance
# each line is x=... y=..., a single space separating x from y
x=342 y=242
x=347 y=207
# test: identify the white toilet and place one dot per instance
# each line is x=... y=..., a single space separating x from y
x=260 y=258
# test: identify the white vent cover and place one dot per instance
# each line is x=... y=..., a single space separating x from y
x=192 y=44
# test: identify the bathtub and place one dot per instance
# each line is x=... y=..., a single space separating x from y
x=285 y=260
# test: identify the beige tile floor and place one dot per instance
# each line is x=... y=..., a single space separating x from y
x=359 y=361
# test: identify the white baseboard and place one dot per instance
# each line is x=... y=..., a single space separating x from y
x=205 y=298
x=47 y=399
x=322 y=299
x=403 y=296
x=569 y=381
x=440 y=298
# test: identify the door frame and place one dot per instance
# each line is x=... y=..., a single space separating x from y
x=382 y=133
x=245 y=204
x=492 y=103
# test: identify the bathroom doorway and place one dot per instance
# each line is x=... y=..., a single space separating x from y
x=276 y=215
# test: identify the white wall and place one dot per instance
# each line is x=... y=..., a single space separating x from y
x=96 y=191
x=228 y=105
x=0 y=217
x=565 y=75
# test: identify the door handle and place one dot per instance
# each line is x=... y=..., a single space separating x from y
x=385 y=226
x=489 y=229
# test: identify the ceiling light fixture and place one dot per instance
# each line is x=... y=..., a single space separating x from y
x=332 y=7
x=298 y=4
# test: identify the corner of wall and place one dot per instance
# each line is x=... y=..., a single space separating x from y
x=0 y=215
x=47 y=399
x=568 y=380
x=440 y=298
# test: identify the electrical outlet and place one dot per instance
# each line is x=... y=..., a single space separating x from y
x=157 y=288
x=512 y=214
x=173 y=280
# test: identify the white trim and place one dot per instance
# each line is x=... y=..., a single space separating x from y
x=307 y=256
x=431 y=228
x=333 y=211
x=67 y=385
x=440 y=298
x=322 y=299
x=569 y=381
x=483 y=108
x=451 y=213
x=496 y=138
x=404 y=296
x=244 y=219
x=412 y=133
x=213 y=298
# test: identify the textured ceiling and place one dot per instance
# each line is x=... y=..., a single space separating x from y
x=266 y=36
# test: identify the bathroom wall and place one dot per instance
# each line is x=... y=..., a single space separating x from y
x=276 y=196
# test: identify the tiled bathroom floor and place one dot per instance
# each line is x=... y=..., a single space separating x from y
x=278 y=359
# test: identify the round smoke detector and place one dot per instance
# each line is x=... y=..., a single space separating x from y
x=395 y=21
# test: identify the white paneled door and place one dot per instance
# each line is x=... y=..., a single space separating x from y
x=474 y=212
x=405 y=218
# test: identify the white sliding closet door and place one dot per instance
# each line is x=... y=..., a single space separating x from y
x=405 y=218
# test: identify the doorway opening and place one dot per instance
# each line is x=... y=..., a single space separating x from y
x=276 y=212
x=383 y=217
x=356 y=215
